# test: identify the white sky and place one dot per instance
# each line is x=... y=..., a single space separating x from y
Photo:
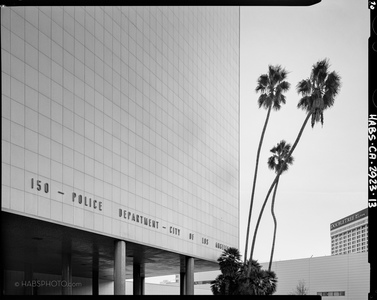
x=328 y=178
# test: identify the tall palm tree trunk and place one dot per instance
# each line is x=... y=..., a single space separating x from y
x=255 y=180
x=275 y=224
x=272 y=186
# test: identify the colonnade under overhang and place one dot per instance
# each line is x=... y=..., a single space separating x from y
x=186 y=276
x=33 y=248
x=186 y=282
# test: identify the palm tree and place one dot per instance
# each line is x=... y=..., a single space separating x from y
x=318 y=94
x=230 y=265
x=276 y=162
x=232 y=280
x=271 y=86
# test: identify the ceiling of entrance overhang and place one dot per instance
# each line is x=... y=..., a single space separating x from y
x=28 y=242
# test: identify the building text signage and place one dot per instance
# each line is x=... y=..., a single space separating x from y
x=126 y=215
x=361 y=214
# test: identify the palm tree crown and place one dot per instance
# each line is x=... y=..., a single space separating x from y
x=319 y=91
x=272 y=86
x=279 y=159
x=230 y=261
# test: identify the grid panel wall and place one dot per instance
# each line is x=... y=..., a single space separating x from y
x=124 y=121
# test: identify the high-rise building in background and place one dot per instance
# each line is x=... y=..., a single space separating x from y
x=120 y=144
x=350 y=234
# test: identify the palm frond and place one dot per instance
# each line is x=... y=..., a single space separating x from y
x=279 y=160
x=272 y=85
x=281 y=146
x=262 y=83
x=318 y=91
x=272 y=72
x=284 y=86
x=271 y=162
x=316 y=117
x=262 y=100
x=274 y=149
x=278 y=101
x=304 y=87
x=305 y=103
x=319 y=71
x=276 y=73
x=333 y=85
x=290 y=160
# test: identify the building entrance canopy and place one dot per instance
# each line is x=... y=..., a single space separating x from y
x=42 y=245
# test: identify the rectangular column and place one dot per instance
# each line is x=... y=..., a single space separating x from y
x=66 y=274
x=189 y=276
x=120 y=268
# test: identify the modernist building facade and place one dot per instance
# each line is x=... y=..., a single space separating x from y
x=120 y=144
x=350 y=234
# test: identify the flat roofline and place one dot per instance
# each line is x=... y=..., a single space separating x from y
x=329 y=256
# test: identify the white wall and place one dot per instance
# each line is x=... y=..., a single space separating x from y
x=136 y=108
x=348 y=272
